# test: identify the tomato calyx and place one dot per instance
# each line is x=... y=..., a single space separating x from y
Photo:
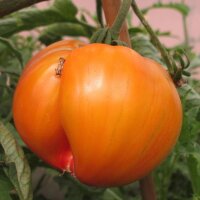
x=110 y=35
x=60 y=66
x=104 y=35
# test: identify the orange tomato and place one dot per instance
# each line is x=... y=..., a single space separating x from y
x=110 y=117
x=120 y=111
x=35 y=106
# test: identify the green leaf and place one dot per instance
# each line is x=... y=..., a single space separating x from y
x=56 y=31
x=180 y=7
x=111 y=194
x=17 y=169
x=190 y=127
x=142 y=45
x=133 y=31
x=66 y=9
x=5 y=187
x=14 y=132
x=10 y=71
x=194 y=169
x=190 y=98
x=12 y=48
x=190 y=133
x=195 y=63
x=191 y=108
x=60 y=11
x=27 y=20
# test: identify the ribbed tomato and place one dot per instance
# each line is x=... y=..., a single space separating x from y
x=35 y=105
x=110 y=117
x=120 y=111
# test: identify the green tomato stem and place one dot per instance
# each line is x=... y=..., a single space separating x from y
x=120 y=18
x=165 y=55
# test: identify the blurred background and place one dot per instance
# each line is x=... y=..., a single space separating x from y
x=165 y=20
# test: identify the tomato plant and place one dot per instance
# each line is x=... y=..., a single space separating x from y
x=106 y=113
x=98 y=100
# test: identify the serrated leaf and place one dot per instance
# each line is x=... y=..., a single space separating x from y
x=65 y=8
x=17 y=169
x=5 y=187
x=14 y=132
x=189 y=96
x=190 y=128
x=142 y=45
x=12 y=49
x=191 y=108
x=194 y=169
x=27 y=20
x=56 y=31
x=60 y=11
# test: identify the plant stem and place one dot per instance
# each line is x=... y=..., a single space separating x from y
x=111 y=8
x=167 y=174
x=185 y=30
x=121 y=16
x=147 y=188
x=99 y=12
x=155 y=40
x=186 y=36
x=8 y=71
x=110 y=192
x=9 y=6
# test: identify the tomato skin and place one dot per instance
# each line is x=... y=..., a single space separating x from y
x=35 y=106
x=66 y=45
x=110 y=118
x=120 y=111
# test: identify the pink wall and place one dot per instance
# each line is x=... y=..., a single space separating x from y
x=164 y=20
